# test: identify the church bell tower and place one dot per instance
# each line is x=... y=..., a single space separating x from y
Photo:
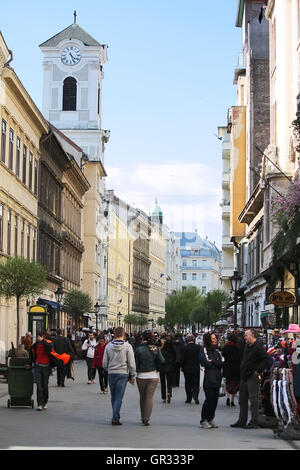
x=72 y=87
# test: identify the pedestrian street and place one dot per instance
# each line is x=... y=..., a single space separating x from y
x=78 y=416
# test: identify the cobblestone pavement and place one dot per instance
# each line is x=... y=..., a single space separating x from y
x=78 y=416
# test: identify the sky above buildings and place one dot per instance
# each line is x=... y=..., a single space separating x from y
x=167 y=87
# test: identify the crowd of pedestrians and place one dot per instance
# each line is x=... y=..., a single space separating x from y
x=148 y=358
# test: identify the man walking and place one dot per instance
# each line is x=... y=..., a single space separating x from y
x=61 y=345
x=191 y=369
x=119 y=362
x=254 y=361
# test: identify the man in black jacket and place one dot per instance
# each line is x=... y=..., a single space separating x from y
x=61 y=345
x=255 y=360
x=191 y=369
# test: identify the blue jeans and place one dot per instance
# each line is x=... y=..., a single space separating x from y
x=117 y=384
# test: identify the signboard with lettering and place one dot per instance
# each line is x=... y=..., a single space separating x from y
x=282 y=298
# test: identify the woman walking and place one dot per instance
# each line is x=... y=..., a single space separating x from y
x=146 y=358
x=167 y=370
x=212 y=361
x=97 y=363
x=89 y=346
x=231 y=369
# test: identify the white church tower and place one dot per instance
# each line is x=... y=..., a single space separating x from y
x=72 y=87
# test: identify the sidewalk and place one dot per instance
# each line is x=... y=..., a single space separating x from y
x=79 y=417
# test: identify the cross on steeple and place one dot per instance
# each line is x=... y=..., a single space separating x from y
x=75 y=16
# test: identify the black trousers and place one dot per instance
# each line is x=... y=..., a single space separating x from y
x=210 y=405
x=42 y=384
x=192 y=385
x=249 y=391
x=91 y=372
x=166 y=383
x=177 y=375
x=103 y=378
x=61 y=374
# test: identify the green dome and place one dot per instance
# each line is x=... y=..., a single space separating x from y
x=156 y=211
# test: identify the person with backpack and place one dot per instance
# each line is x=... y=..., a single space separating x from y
x=147 y=358
x=61 y=345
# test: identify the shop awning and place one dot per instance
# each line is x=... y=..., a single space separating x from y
x=49 y=302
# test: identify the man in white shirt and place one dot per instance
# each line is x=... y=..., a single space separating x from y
x=89 y=346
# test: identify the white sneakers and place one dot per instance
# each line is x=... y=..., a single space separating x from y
x=41 y=408
x=209 y=425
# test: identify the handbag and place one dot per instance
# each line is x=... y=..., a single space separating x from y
x=159 y=359
x=222 y=391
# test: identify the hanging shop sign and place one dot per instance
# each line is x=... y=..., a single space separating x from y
x=282 y=298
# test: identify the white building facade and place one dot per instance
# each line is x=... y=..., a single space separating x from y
x=200 y=262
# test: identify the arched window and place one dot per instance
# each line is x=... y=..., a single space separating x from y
x=69 y=94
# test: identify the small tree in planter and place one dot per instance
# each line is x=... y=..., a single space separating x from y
x=21 y=278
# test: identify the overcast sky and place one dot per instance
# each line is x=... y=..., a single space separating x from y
x=167 y=87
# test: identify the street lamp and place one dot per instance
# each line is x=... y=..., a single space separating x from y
x=235 y=282
x=119 y=318
x=58 y=296
x=96 y=308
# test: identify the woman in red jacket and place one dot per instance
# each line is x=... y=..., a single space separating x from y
x=97 y=363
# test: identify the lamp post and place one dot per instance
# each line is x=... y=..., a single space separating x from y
x=119 y=318
x=235 y=282
x=97 y=308
x=58 y=296
x=152 y=323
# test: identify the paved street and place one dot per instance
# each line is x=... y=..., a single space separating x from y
x=79 y=417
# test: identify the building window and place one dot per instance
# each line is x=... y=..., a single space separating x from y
x=204 y=275
x=3 y=140
x=184 y=263
x=18 y=157
x=16 y=236
x=33 y=243
x=204 y=290
x=24 y=163
x=35 y=176
x=22 y=237
x=28 y=242
x=1 y=227
x=194 y=263
x=184 y=276
x=69 y=94
x=8 y=231
x=11 y=149
x=30 y=170
x=194 y=277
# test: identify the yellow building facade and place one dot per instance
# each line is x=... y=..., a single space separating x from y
x=238 y=170
x=22 y=126
x=120 y=269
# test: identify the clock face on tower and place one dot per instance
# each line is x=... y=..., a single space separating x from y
x=70 y=55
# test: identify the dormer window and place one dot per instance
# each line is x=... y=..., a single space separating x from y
x=69 y=94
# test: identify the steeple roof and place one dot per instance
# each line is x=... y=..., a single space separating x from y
x=156 y=211
x=74 y=31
